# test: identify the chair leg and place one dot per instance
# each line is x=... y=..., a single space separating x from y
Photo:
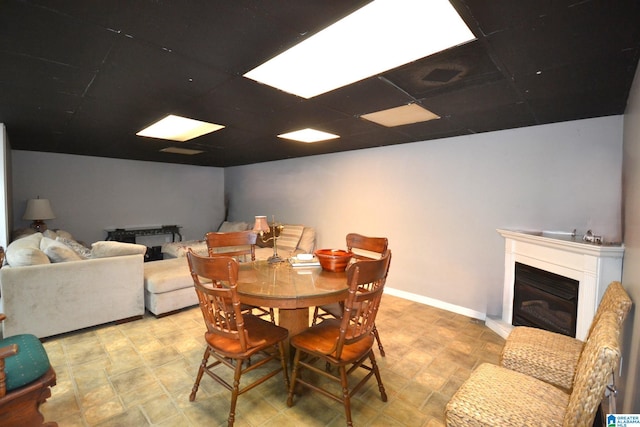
x=315 y=316
x=234 y=393
x=376 y=371
x=346 y=399
x=203 y=366
x=272 y=315
x=294 y=375
x=375 y=333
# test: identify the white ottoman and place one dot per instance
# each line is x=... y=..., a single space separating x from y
x=168 y=286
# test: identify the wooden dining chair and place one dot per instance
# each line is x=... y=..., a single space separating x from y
x=363 y=248
x=233 y=337
x=26 y=378
x=345 y=343
x=242 y=246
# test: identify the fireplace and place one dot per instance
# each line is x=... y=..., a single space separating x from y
x=592 y=266
x=544 y=300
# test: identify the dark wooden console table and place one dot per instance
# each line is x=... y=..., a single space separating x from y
x=129 y=234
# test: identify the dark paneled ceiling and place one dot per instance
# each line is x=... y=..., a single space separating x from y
x=82 y=77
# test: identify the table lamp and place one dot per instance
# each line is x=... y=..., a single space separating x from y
x=262 y=227
x=38 y=210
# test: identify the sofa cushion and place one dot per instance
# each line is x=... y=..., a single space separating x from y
x=228 y=226
x=26 y=256
x=57 y=251
x=289 y=237
x=108 y=248
x=53 y=234
x=50 y=234
x=307 y=241
x=80 y=249
x=22 y=232
x=26 y=251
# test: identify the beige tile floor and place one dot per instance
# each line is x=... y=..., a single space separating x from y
x=141 y=373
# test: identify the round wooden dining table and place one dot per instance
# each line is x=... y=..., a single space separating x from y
x=292 y=290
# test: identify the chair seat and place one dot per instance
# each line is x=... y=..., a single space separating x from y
x=268 y=334
x=496 y=396
x=30 y=363
x=335 y=309
x=321 y=340
x=545 y=355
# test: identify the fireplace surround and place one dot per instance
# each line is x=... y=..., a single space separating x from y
x=592 y=266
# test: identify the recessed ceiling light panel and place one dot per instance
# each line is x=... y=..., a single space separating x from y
x=399 y=116
x=308 y=135
x=380 y=36
x=176 y=128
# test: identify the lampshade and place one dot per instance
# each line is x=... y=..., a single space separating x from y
x=38 y=209
x=261 y=224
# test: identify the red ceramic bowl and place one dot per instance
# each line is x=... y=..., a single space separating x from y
x=335 y=260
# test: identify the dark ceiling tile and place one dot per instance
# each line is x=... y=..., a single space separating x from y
x=234 y=36
x=308 y=114
x=466 y=65
x=586 y=30
x=593 y=81
x=146 y=76
x=366 y=96
x=577 y=107
x=307 y=17
x=245 y=95
x=497 y=118
x=351 y=126
x=83 y=77
x=470 y=99
x=497 y=15
x=34 y=77
x=45 y=35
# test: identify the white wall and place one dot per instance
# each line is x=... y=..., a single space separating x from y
x=89 y=194
x=630 y=393
x=440 y=202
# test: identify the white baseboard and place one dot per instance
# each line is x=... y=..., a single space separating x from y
x=436 y=303
x=499 y=326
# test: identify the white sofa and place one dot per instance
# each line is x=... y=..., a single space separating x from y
x=49 y=298
x=168 y=285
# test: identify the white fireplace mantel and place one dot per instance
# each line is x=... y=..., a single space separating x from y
x=594 y=266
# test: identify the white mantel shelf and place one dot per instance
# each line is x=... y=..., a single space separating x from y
x=594 y=266
x=564 y=242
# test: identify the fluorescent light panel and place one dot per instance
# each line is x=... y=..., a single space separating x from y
x=185 y=151
x=399 y=116
x=308 y=135
x=378 y=37
x=176 y=128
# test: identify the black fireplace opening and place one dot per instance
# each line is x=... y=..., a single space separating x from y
x=544 y=300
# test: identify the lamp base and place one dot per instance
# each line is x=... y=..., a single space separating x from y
x=274 y=259
x=39 y=225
